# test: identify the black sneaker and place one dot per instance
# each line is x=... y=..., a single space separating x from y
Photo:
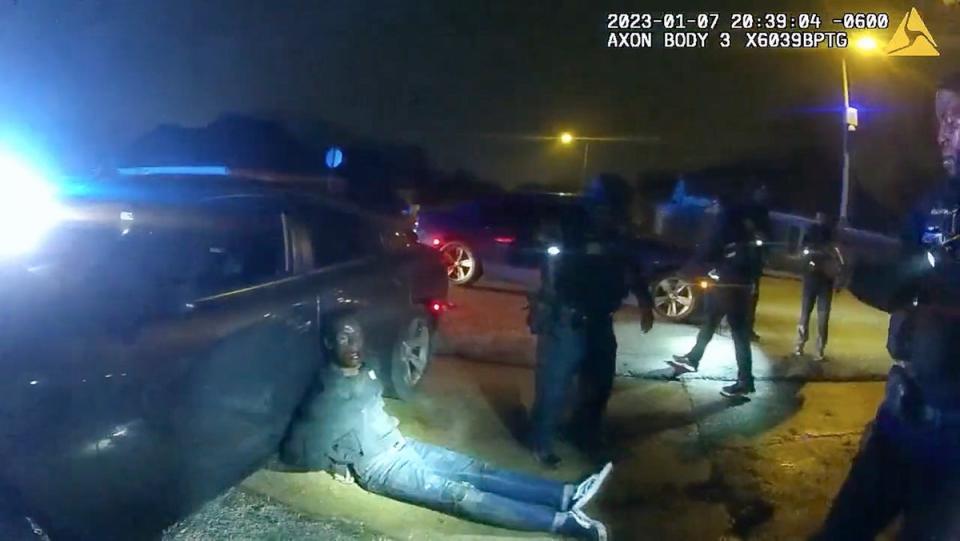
x=739 y=389
x=682 y=365
x=819 y=356
x=586 y=490
x=798 y=352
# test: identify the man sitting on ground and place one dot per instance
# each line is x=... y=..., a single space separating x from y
x=347 y=432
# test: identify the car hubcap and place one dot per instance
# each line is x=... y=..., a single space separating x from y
x=673 y=297
x=459 y=262
x=415 y=351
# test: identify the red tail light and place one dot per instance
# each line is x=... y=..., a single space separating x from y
x=435 y=241
x=504 y=240
x=438 y=307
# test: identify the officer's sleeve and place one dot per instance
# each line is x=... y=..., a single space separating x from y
x=638 y=282
x=888 y=285
x=710 y=249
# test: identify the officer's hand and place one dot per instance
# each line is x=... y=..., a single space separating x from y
x=646 y=320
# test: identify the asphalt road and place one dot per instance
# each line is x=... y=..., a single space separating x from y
x=689 y=464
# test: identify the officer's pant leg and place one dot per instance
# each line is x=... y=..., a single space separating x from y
x=824 y=304
x=708 y=327
x=807 y=298
x=754 y=301
x=559 y=351
x=872 y=495
x=596 y=376
x=738 y=307
x=488 y=478
x=402 y=475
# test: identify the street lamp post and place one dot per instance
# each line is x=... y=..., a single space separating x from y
x=847 y=128
x=863 y=44
x=567 y=138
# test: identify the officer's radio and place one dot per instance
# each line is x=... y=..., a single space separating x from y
x=942 y=232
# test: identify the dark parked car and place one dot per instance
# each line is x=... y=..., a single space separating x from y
x=155 y=346
x=495 y=238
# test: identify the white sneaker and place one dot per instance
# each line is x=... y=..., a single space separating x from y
x=586 y=490
x=593 y=529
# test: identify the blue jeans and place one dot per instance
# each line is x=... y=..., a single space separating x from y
x=457 y=484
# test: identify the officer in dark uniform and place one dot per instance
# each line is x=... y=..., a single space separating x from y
x=908 y=462
x=734 y=252
x=819 y=281
x=586 y=273
x=759 y=212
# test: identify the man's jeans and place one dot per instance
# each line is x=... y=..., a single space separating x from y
x=733 y=301
x=450 y=482
x=817 y=289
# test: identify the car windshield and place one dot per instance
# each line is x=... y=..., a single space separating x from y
x=596 y=270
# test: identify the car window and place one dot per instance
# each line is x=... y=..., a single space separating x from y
x=184 y=253
x=340 y=235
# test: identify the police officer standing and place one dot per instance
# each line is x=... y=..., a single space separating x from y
x=733 y=252
x=819 y=277
x=585 y=275
x=759 y=213
x=908 y=463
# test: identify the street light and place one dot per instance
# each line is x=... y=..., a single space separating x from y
x=865 y=44
x=567 y=138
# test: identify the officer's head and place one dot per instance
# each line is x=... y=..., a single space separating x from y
x=344 y=341
x=948 y=119
x=608 y=198
x=822 y=218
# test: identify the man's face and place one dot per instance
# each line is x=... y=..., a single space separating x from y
x=349 y=345
x=948 y=135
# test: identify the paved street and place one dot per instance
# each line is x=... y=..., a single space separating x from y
x=689 y=464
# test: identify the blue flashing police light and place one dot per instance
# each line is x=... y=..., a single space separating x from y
x=334 y=157
x=200 y=170
x=29 y=205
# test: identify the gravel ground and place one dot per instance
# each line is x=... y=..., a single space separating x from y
x=239 y=515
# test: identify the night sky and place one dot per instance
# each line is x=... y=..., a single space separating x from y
x=461 y=78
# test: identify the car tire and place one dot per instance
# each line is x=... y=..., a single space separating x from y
x=674 y=299
x=411 y=355
x=461 y=263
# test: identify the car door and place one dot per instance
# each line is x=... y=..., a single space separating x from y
x=180 y=351
x=350 y=271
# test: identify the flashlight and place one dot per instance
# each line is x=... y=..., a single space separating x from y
x=806 y=251
x=553 y=250
x=931 y=259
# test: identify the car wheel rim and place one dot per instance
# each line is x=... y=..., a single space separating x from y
x=459 y=262
x=415 y=351
x=673 y=297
